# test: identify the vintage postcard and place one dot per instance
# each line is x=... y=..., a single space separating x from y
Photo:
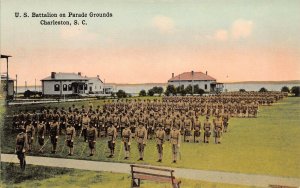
x=150 y=93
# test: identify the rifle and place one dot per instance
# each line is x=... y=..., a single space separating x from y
x=44 y=145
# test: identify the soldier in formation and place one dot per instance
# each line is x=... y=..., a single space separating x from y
x=21 y=147
x=126 y=138
x=70 y=135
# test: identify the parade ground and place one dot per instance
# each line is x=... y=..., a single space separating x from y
x=264 y=146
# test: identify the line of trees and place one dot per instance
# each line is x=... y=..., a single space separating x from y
x=180 y=90
x=294 y=90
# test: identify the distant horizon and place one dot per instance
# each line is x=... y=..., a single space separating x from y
x=238 y=82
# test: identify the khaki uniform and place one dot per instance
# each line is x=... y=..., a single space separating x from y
x=160 y=139
x=175 y=141
x=41 y=131
x=30 y=130
x=168 y=127
x=21 y=146
x=112 y=136
x=187 y=129
x=197 y=131
x=70 y=134
x=126 y=138
x=207 y=130
x=54 y=131
x=91 y=137
x=85 y=124
x=141 y=137
x=218 y=127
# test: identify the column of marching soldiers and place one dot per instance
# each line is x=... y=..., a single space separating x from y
x=167 y=119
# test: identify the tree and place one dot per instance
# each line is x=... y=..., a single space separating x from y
x=150 y=92
x=180 y=90
x=242 y=90
x=142 y=93
x=121 y=94
x=285 y=89
x=158 y=90
x=296 y=90
x=188 y=89
x=263 y=89
x=170 y=90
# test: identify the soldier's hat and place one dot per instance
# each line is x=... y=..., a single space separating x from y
x=160 y=125
x=207 y=117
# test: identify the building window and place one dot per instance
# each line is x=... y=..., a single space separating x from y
x=65 y=87
x=205 y=86
x=85 y=86
x=80 y=87
x=70 y=87
x=56 y=87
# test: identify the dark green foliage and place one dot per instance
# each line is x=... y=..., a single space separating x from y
x=142 y=93
x=263 y=89
x=296 y=90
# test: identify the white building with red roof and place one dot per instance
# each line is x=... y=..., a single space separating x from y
x=203 y=80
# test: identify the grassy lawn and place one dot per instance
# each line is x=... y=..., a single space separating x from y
x=38 y=176
x=267 y=145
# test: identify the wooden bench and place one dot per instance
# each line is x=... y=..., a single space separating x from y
x=139 y=173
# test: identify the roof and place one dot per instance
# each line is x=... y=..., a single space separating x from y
x=65 y=76
x=95 y=78
x=197 y=76
x=3 y=77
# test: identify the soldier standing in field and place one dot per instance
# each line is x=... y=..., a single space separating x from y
x=168 y=126
x=85 y=124
x=126 y=138
x=30 y=131
x=41 y=131
x=175 y=142
x=141 y=136
x=218 y=127
x=207 y=129
x=70 y=135
x=197 y=131
x=187 y=128
x=160 y=139
x=91 y=136
x=21 y=146
x=54 y=131
x=112 y=136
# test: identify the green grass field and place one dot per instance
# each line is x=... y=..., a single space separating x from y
x=38 y=176
x=267 y=145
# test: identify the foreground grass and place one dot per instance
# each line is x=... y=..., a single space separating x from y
x=267 y=145
x=38 y=176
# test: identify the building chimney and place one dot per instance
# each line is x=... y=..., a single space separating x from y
x=53 y=74
x=192 y=72
x=206 y=73
x=79 y=73
x=98 y=76
x=173 y=75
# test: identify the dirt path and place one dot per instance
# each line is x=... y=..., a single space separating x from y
x=210 y=176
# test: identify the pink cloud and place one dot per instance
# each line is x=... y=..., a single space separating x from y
x=241 y=28
x=163 y=23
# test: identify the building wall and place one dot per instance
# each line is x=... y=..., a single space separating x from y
x=95 y=85
x=201 y=84
x=48 y=88
x=10 y=87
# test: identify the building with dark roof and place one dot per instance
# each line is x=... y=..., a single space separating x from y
x=203 y=80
